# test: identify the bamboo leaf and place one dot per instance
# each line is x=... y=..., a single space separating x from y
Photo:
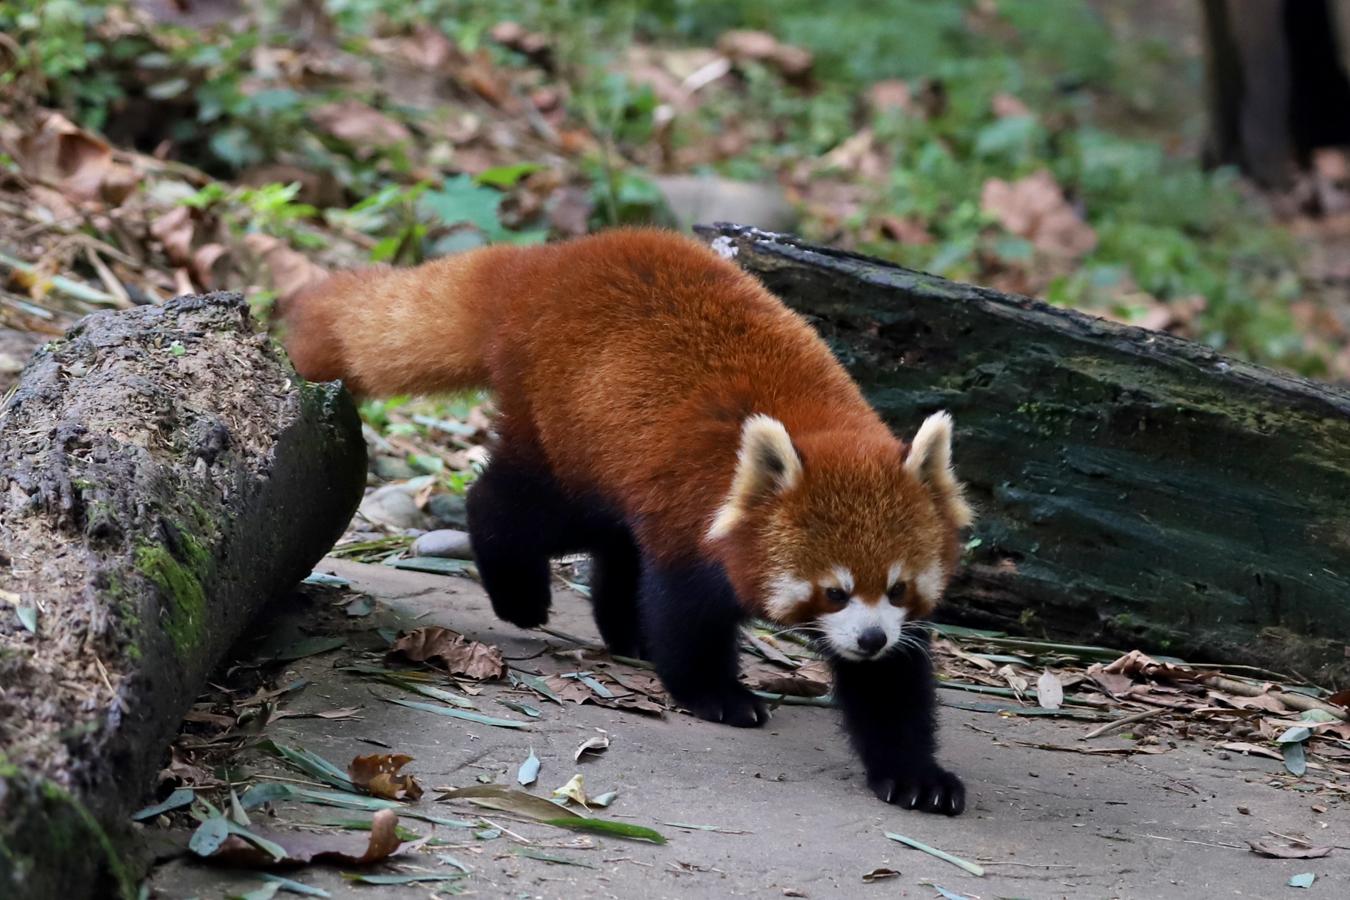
x=529 y=770
x=943 y=855
x=609 y=827
x=311 y=764
x=177 y=800
x=453 y=713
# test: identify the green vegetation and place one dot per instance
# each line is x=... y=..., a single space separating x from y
x=992 y=92
x=181 y=584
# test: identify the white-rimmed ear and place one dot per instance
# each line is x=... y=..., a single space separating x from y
x=766 y=463
x=930 y=461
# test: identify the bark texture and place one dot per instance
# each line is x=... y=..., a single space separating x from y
x=163 y=473
x=1132 y=488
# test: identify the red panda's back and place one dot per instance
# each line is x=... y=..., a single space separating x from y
x=629 y=360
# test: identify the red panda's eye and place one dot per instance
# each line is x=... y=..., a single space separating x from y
x=836 y=596
x=897 y=593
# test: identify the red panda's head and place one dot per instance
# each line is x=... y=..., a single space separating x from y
x=852 y=536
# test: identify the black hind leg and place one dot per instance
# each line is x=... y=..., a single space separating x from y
x=691 y=618
x=518 y=519
x=616 y=569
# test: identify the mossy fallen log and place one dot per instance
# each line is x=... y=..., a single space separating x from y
x=1133 y=488
x=163 y=473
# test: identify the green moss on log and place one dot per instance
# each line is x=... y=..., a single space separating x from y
x=180 y=584
x=64 y=829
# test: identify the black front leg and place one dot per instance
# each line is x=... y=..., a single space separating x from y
x=690 y=624
x=889 y=708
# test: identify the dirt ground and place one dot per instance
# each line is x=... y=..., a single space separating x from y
x=794 y=817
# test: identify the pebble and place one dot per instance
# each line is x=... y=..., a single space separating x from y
x=449 y=511
x=447 y=543
x=391 y=468
x=392 y=506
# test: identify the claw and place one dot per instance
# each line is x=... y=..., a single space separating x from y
x=933 y=791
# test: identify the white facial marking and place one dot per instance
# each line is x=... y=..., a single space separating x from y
x=929 y=582
x=783 y=593
x=893 y=575
x=843 y=579
x=843 y=628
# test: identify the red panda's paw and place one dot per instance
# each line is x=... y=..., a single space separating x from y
x=932 y=789
x=735 y=706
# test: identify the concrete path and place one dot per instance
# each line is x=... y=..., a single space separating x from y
x=1043 y=823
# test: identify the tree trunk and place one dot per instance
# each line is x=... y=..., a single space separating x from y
x=1133 y=489
x=1278 y=86
x=163 y=473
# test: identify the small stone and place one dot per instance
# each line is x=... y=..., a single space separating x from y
x=446 y=543
x=448 y=510
x=391 y=468
x=393 y=507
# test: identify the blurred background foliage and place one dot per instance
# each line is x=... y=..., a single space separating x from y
x=1048 y=147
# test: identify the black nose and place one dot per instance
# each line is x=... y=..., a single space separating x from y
x=871 y=640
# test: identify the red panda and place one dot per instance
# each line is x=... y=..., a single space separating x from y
x=660 y=409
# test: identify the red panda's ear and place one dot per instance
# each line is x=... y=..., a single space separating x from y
x=930 y=461
x=766 y=463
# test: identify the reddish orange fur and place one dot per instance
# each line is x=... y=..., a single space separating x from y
x=625 y=363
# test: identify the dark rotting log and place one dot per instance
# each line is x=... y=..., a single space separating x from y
x=163 y=473
x=1133 y=488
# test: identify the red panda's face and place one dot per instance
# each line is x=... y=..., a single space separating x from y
x=851 y=540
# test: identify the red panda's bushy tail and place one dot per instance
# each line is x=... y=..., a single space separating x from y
x=385 y=331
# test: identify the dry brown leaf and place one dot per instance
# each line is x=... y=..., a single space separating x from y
x=811 y=679
x=892 y=94
x=569 y=689
x=183 y=770
x=291 y=272
x=1137 y=663
x=569 y=211
x=1277 y=851
x=1016 y=681
x=1264 y=702
x=483 y=78
x=515 y=36
x=762 y=47
x=302 y=847
x=345 y=712
x=377 y=773
x=1252 y=749
x=1097 y=751
x=1006 y=106
x=1341 y=698
x=1113 y=684
x=451 y=651
x=595 y=744
x=1034 y=207
x=62 y=154
x=204 y=263
x=638 y=692
x=174 y=230
x=879 y=875
x=359 y=124
x=427 y=47
x=119 y=182
x=905 y=231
